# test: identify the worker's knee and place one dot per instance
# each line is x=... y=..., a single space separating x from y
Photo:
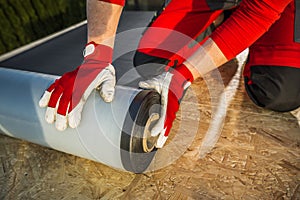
x=275 y=88
x=149 y=66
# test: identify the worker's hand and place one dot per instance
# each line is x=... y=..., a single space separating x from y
x=171 y=86
x=66 y=97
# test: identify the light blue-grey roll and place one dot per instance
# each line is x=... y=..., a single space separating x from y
x=115 y=134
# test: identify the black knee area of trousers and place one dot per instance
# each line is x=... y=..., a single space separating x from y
x=274 y=87
x=149 y=66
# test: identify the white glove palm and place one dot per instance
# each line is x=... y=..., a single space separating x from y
x=171 y=86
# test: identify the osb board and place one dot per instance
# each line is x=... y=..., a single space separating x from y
x=256 y=157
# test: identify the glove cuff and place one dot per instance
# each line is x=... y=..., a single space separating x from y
x=181 y=80
x=100 y=52
x=182 y=74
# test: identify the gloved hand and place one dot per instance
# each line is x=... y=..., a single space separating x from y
x=66 y=97
x=171 y=86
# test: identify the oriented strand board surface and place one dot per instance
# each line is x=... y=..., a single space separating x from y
x=256 y=157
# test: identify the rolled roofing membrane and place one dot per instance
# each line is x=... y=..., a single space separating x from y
x=102 y=136
x=115 y=134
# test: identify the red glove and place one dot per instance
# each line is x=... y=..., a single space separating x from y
x=65 y=98
x=172 y=86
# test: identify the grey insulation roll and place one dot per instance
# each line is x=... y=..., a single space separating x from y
x=115 y=134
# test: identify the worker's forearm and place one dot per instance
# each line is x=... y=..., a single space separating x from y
x=207 y=58
x=103 y=19
x=246 y=24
